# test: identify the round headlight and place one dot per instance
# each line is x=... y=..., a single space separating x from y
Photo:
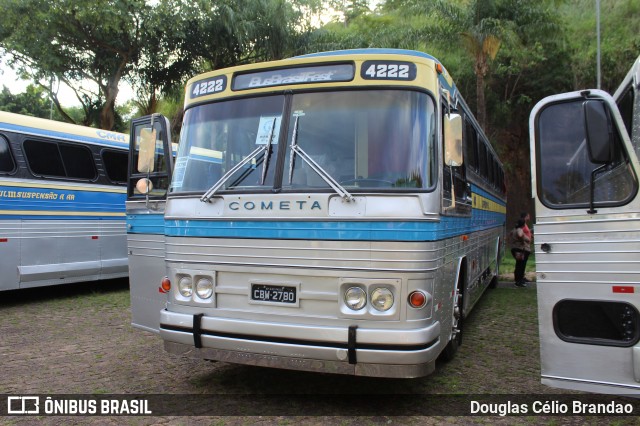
x=382 y=299
x=185 y=286
x=355 y=298
x=204 y=288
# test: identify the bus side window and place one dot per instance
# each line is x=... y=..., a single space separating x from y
x=52 y=159
x=115 y=165
x=625 y=105
x=471 y=145
x=7 y=165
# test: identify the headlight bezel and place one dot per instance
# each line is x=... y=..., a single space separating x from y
x=356 y=294
x=386 y=295
x=185 y=286
x=206 y=283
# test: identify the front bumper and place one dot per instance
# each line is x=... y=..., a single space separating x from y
x=343 y=350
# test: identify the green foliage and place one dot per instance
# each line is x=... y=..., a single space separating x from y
x=534 y=48
x=32 y=102
x=76 y=40
x=620 y=40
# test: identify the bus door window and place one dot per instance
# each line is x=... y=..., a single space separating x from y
x=565 y=173
x=7 y=165
x=158 y=170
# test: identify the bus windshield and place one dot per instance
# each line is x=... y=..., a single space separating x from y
x=363 y=140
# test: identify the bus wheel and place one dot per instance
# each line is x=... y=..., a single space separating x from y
x=494 y=280
x=456 y=326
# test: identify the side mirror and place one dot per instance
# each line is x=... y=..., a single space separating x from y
x=599 y=130
x=144 y=186
x=453 y=140
x=147 y=152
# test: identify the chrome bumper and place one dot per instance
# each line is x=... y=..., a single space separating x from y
x=401 y=353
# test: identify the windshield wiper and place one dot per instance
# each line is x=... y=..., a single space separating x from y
x=267 y=152
x=295 y=149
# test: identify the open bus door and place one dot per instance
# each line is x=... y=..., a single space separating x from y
x=587 y=242
x=150 y=167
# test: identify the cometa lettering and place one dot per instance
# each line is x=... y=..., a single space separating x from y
x=297 y=205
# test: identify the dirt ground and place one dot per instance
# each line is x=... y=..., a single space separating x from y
x=77 y=340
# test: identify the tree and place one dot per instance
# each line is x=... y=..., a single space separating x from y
x=75 y=41
x=32 y=102
x=223 y=33
x=620 y=40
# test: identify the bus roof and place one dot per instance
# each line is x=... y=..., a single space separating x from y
x=58 y=130
x=371 y=51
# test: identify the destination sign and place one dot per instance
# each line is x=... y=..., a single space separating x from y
x=284 y=76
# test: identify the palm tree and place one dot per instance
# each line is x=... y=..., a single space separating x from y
x=481 y=29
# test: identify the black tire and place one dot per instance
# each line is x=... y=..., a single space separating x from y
x=450 y=350
x=494 y=280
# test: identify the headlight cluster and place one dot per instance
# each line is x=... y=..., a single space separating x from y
x=203 y=287
x=381 y=298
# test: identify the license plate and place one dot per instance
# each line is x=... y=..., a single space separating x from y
x=273 y=293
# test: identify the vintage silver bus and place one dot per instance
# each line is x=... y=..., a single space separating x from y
x=62 y=203
x=584 y=164
x=337 y=212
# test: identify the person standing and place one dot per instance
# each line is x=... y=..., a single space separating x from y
x=529 y=233
x=520 y=249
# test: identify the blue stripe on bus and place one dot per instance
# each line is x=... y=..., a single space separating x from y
x=447 y=227
x=145 y=224
x=33 y=203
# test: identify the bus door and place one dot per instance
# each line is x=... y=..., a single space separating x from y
x=587 y=243
x=150 y=166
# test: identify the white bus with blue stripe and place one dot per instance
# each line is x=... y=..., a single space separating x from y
x=62 y=195
x=339 y=212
